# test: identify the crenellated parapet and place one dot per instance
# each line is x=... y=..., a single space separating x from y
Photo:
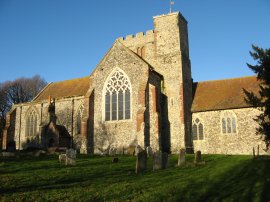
x=139 y=39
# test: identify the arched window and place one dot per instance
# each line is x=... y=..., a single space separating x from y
x=79 y=120
x=228 y=123
x=31 y=124
x=117 y=97
x=197 y=129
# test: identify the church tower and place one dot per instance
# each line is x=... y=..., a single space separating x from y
x=172 y=61
x=166 y=49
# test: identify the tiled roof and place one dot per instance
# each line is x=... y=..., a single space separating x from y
x=63 y=89
x=222 y=94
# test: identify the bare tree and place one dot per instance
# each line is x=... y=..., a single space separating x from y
x=18 y=91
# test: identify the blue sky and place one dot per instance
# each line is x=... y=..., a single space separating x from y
x=65 y=39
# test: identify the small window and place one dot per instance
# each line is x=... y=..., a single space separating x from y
x=228 y=123
x=197 y=130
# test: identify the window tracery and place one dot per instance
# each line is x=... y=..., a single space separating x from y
x=31 y=124
x=197 y=129
x=228 y=123
x=117 y=97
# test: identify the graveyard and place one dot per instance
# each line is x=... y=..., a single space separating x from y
x=117 y=178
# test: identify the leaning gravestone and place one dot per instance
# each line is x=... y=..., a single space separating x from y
x=141 y=163
x=182 y=157
x=71 y=157
x=198 y=157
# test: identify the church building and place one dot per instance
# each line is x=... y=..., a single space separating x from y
x=140 y=93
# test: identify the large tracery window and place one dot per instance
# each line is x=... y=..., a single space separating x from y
x=228 y=123
x=31 y=124
x=197 y=129
x=117 y=97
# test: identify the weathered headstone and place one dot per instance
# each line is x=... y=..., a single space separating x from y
x=138 y=149
x=71 y=157
x=182 y=157
x=198 y=157
x=160 y=160
x=149 y=151
x=62 y=158
x=141 y=163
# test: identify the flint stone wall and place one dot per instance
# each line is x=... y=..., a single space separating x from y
x=215 y=142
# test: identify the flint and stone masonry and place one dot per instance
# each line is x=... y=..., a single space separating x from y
x=141 y=93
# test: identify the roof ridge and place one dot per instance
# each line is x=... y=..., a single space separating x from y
x=234 y=78
x=70 y=79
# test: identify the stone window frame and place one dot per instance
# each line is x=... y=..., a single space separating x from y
x=78 y=118
x=104 y=92
x=228 y=123
x=197 y=122
x=31 y=130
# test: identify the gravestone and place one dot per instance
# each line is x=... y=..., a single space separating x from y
x=62 y=158
x=141 y=163
x=149 y=151
x=182 y=157
x=138 y=149
x=71 y=157
x=160 y=160
x=198 y=157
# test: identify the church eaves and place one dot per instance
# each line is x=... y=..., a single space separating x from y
x=64 y=89
x=222 y=94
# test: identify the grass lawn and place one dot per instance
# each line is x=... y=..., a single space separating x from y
x=94 y=178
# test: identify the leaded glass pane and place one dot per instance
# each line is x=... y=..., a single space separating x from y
x=229 y=126
x=233 y=125
x=127 y=105
x=107 y=106
x=114 y=106
x=201 y=131
x=223 y=125
x=117 y=99
x=120 y=106
x=194 y=131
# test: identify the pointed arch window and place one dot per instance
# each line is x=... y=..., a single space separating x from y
x=117 y=97
x=197 y=129
x=31 y=124
x=228 y=123
x=79 y=120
